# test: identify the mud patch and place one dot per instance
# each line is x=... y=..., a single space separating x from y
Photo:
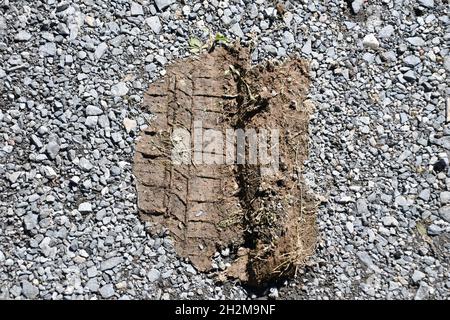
x=265 y=216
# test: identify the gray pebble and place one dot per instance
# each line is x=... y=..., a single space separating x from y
x=444 y=212
x=22 y=36
x=85 y=164
x=154 y=23
x=163 y=4
x=445 y=197
x=427 y=3
x=357 y=5
x=416 y=41
x=120 y=89
x=153 y=275
x=100 y=50
x=389 y=221
x=85 y=207
x=417 y=276
x=93 y=111
x=371 y=42
x=136 y=9
x=29 y=290
x=107 y=291
x=434 y=230
x=386 y=31
x=111 y=263
x=48 y=49
x=52 y=149
x=411 y=61
x=236 y=29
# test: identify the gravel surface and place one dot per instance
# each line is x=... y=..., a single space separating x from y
x=72 y=76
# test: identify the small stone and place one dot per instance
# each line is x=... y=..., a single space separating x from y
x=103 y=121
x=107 y=291
x=115 y=171
x=345 y=199
x=48 y=49
x=136 y=9
x=445 y=197
x=186 y=10
x=85 y=207
x=165 y=296
x=154 y=23
x=271 y=49
x=82 y=55
x=357 y=5
x=30 y=221
x=191 y=269
x=34 y=197
x=389 y=56
x=386 y=31
x=90 y=21
x=61 y=6
x=22 y=36
x=69 y=59
x=153 y=275
x=92 y=285
x=49 y=172
x=417 y=276
x=444 y=212
x=416 y=41
x=370 y=41
x=29 y=290
x=120 y=89
x=307 y=49
x=116 y=137
x=111 y=263
x=15 y=60
x=273 y=293
x=427 y=3
x=52 y=149
x=85 y=164
x=236 y=29
x=163 y=4
x=365 y=258
x=288 y=37
x=349 y=226
x=100 y=51
x=389 y=221
x=12 y=177
x=434 y=230
x=361 y=207
x=225 y=252
x=425 y=194
x=409 y=76
x=63 y=29
x=411 y=61
x=446 y=63
x=93 y=111
x=122 y=285
x=423 y=292
x=91 y=121
x=92 y=272
x=129 y=124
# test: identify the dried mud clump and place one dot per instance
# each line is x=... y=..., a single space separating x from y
x=267 y=219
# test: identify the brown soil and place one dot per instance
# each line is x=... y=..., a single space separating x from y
x=268 y=220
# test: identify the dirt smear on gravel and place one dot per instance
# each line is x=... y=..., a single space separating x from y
x=268 y=220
